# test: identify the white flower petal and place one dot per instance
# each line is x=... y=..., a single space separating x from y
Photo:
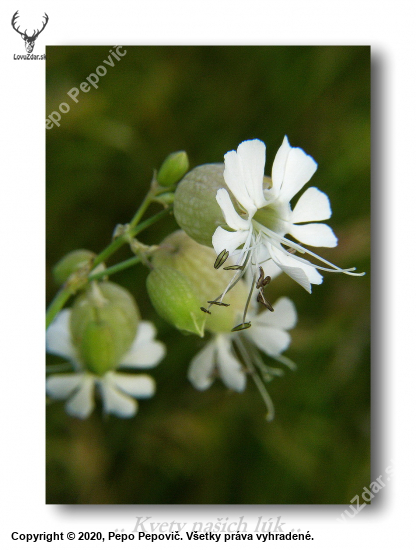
x=58 y=337
x=81 y=404
x=261 y=256
x=284 y=316
x=147 y=356
x=298 y=274
x=231 y=370
x=243 y=174
x=271 y=340
x=314 y=234
x=228 y=240
x=271 y=269
x=313 y=206
x=60 y=386
x=253 y=158
x=115 y=401
x=145 y=352
x=231 y=217
x=303 y=274
x=146 y=332
x=299 y=169
x=279 y=166
x=201 y=369
x=138 y=385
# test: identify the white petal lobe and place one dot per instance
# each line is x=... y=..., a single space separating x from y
x=243 y=174
x=202 y=367
x=145 y=352
x=81 y=404
x=314 y=234
x=232 y=219
x=60 y=386
x=284 y=316
x=115 y=401
x=137 y=385
x=58 y=337
x=300 y=167
x=313 y=206
x=228 y=240
x=271 y=340
x=279 y=166
x=230 y=368
x=253 y=158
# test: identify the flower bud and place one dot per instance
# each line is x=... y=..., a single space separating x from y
x=173 y=168
x=71 y=263
x=104 y=323
x=195 y=207
x=193 y=265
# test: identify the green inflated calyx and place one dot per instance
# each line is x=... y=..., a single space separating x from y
x=174 y=299
x=98 y=348
x=104 y=322
x=193 y=265
x=174 y=167
x=195 y=207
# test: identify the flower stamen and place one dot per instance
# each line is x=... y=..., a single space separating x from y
x=233 y=267
x=242 y=326
x=221 y=259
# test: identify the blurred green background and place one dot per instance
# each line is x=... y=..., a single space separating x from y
x=215 y=447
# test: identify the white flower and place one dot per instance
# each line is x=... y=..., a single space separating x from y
x=116 y=388
x=268 y=332
x=268 y=216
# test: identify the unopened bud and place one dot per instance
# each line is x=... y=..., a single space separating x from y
x=174 y=167
x=104 y=322
x=72 y=262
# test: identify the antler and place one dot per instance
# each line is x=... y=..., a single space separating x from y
x=15 y=16
x=37 y=33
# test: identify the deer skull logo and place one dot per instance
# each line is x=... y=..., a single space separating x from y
x=29 y=40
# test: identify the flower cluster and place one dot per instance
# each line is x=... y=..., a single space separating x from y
x=245 y=218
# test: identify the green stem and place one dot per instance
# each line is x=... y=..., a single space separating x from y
x=133 y=231
x=114 y=268
x=142 y=209
x=67 y=291
x=150 y=221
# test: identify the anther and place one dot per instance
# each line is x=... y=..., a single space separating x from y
x=221 y=258
x=243 y=326
x=234 y=267
x=205 y=310
x=259 y=283
x=217 y=303
x=262 y=300
x=266 y=280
